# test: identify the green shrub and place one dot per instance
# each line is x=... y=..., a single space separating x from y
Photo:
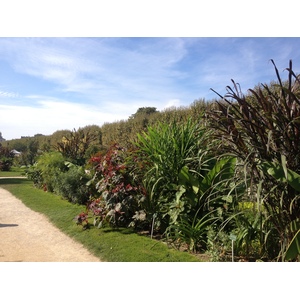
x=165 y=149
x=6 y=159
x=46 y=172
x=6 y=164
x=218 y=245
x=72 y=185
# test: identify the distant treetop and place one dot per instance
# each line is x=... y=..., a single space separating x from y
x=1 y=137
x=144 y=111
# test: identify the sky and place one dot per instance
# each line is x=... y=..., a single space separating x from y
x=69 y=64
x=49 y=84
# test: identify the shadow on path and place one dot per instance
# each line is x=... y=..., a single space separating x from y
x=8 y=225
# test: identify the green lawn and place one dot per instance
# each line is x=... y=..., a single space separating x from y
x=15 y=171
x=114 y=245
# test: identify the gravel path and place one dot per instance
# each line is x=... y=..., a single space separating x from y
x=28 y=236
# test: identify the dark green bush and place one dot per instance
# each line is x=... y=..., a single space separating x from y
x=6 y=164
x=6 y=159
x=71 y=185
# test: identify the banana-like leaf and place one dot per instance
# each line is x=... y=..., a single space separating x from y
x=184 y=175
x=282 y=174
x=186 y=178
x=224 y=169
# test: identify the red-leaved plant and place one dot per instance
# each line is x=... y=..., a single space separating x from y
x=119 y=191
x=82 y=219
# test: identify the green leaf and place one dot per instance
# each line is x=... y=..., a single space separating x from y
x=188 y=179
x=223 y=169
x=227 y=198
x=184 y=175
x=283 y=163
x=295 y=225
x=282 y=174
x=294 y=247
x=180 y=192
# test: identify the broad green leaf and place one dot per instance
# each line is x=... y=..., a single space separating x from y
x=224 y=168
x=180 y=192
x=294 y=247
x=295 y=225
x=274 y=170
x=227 y=198
x=188 y=179
x=184 y=175
x=282 y=174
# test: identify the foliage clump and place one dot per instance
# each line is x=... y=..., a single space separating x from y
x=6 y=158
x=117 y=190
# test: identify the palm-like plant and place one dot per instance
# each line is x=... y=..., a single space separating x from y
x=192 y=232
x=74 y=145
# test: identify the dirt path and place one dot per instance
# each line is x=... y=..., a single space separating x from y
x=28 y=236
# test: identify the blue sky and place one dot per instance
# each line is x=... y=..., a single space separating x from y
x=48 y=84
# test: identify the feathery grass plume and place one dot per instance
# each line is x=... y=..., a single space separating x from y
x=263 y=128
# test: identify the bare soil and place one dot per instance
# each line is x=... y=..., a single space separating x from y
x=28 y=236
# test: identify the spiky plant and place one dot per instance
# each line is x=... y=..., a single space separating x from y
x=263 y=130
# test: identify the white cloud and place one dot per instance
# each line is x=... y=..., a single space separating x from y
x=49 y=116
x=4 y=94
x=95 y=66
x=172 y=103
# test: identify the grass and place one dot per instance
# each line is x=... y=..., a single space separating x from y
x=15 y=171
x=112 y=245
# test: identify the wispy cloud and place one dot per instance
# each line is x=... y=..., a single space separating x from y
x=49 y=115
x=110 y=69
x=5 y=94
x=110 y=78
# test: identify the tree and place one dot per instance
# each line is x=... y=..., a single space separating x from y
x=1 y=137
x=144 y=111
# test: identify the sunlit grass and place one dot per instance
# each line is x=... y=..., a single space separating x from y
x=15 y=171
